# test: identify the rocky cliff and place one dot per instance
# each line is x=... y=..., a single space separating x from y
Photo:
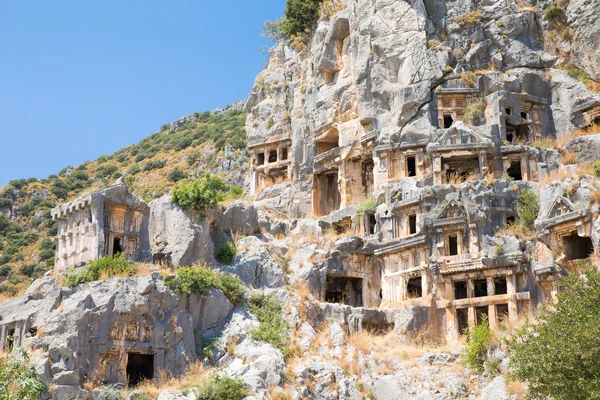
x=417 y=168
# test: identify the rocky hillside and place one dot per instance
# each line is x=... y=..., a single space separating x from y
x=420 y=177
x=187 y=148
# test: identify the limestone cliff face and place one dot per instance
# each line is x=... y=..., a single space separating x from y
x=375 y=67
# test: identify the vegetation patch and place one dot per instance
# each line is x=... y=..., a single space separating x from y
x=102 y=268
x=226 y=252
x=200 y=194
x=199 y=279
x=273 y=328
x=222 y=388
x=18 y=380
x=554 y=13
x=474 y=112
x=368 y=205
x=528 y=208
x=478 y=343
x=470 y=18
x=557 y=354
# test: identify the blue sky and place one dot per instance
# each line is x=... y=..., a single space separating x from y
x=79 y=79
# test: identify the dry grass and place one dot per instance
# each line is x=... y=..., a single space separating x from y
x=516 y=388
x=195 y=375
x=515 y=230
x=595 y=196
x=593 y=129
x=569 y=157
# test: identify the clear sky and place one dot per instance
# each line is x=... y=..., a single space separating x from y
x=79 y=78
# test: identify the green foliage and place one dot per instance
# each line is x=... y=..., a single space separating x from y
x=575 y=72
x=470 y=18
x=200 y=194
x=554 y=13
x=152 y=165
x=272 y=328
x=235 y=192
x=199 y=279
x=226 y=252
x=176 y=175
x=222 y=388
x=5 y=203
x=300 y=16
x=18 y=380
x=109 y=266
x=5 y=270
x=478 y=343
x=528 y=208
x=558 y=353
x=369 y=204
x=109 y=392
x=596 y=169
x=474 y=112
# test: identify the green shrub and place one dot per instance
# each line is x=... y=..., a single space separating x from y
x=109 y=392
x=200 y=194
x=575 y=72
x=528 y=208
x=193 y=280
x=272 y=328
x=232 y=287
x=103 y=171
x=300 y=16
x=369 y=204
x=135 y=169
x=110 y=266
x=199 y=279
x=553 y=13
x=478 y=343
x=235 y=192
x=226 y=252
x=152 y=165
x=18 y=380
x=5 y=203
x=176 y=175
x=474 y=112
x=222 y=388
x=28 y=269
x=558 y=353
x=596 y=169
x=5 y=270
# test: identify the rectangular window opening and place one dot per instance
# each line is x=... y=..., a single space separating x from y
x=460 y=290
x=272 y=156
x=260 y=159
x=462 y=319
x=480 y=288
x=415 y=288
x=411 y=166
x=480 y=312
x=500 y=286
x=412 y=224
x=453 y=245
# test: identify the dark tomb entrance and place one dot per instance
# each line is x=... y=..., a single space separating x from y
x=140 y=367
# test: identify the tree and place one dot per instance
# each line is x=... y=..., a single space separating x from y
x=200 y=194
x=528 y=208
x=300 y=15
x=558 y=354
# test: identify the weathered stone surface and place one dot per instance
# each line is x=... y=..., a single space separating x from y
x=587 y=148
x=255 y=265
x=177 y=236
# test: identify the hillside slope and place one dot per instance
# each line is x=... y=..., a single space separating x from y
x=186 y=148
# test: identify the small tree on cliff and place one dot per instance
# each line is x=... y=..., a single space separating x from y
x=558 y=354
x=200 y=194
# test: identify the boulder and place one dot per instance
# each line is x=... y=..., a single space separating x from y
x=241 y=217
x=255 y=266
x=178 y=237
x=587 y=148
